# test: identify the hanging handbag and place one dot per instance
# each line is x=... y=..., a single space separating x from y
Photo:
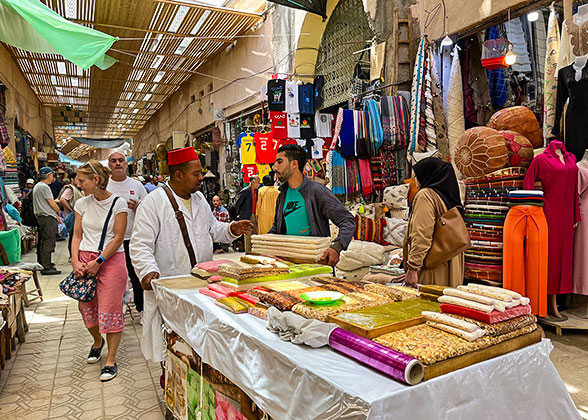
x=84 y=288
x=450 y=237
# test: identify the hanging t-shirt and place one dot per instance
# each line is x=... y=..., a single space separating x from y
x=284 y=142
x=266 y=148
x=292 y=98
x=316 y=150
x=279 y=124
x=306 y=126
x=319 y=83
x=295 y=214
x=323 y=125
x=306 y=144
x=248 y=150
x=294 y=125
x=241 y=135
x=306 y=98
x=248 y=172
x=263 y=170
x=276 y=94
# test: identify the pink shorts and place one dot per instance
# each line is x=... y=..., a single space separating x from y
x=106 y=309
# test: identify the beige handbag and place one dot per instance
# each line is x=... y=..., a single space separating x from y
x=450 y=237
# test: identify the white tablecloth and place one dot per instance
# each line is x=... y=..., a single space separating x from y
x=297 y=382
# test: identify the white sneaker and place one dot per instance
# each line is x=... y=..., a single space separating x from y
x=141 y=318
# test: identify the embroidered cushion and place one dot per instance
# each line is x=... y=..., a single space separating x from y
x=396 y=197
x=369 y=230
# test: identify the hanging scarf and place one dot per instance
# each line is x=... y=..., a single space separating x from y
x=375 y=125
x=550 y=91
x=417 y=96
x=365 y=175
x=439 y=115
x=388 y=122
x=455 y=118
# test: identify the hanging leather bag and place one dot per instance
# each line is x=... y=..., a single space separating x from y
x=450 y=237
x=182 y=223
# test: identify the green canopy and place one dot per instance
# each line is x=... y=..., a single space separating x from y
x=32 y=26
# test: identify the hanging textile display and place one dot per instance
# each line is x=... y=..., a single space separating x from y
x=551 y=59
x=496 y=77
x=428 y=134
x=455 y=119
x=416 y=97
x=439 y=121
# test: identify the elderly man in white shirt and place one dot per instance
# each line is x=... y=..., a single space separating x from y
x=158 y=247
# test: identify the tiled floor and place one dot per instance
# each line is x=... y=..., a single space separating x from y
x=50 y=379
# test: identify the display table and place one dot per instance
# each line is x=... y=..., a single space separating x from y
x=291 y=381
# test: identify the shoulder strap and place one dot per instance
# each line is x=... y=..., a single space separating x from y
x=105 y=227
x=182 y=223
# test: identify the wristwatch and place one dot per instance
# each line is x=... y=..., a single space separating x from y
x=100 y=259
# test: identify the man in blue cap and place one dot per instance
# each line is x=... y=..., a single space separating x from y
x=46 y=211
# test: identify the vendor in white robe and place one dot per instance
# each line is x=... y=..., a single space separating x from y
x=157 y=246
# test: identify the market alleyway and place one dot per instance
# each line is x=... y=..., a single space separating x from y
x=49 y=377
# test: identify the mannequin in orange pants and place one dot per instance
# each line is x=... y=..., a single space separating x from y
x=525 y=255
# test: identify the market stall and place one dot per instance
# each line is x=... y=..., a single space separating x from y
x=295 y=381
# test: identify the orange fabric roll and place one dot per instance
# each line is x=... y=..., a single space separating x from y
x=525 y=255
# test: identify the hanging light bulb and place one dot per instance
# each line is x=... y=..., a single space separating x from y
x=510 y=58
x=533 y=16
x=446 y=42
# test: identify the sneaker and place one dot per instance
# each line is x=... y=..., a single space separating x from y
x=95 y=353
x=108 y=372
x=50 y=272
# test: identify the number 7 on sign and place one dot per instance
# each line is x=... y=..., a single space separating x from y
x=276 y=144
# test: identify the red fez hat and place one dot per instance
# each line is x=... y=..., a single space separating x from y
x=179 y=156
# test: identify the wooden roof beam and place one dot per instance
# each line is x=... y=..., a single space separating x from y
x=212 y=8
x=153 y=31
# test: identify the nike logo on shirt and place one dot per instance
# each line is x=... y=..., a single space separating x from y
x=291 y=207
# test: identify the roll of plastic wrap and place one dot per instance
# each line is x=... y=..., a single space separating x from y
x=399 y=366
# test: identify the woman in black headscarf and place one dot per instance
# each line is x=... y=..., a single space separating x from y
x=439 y=192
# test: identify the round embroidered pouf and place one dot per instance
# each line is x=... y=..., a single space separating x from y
x=480 y=151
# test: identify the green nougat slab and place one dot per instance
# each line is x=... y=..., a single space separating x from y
x=390 y=313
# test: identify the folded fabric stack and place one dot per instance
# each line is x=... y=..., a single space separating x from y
x=526 y=198
x=486 y=207
x=288 y=246
x=431 y=291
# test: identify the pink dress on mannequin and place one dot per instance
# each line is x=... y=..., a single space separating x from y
x=560 y=185
x=581 y=235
